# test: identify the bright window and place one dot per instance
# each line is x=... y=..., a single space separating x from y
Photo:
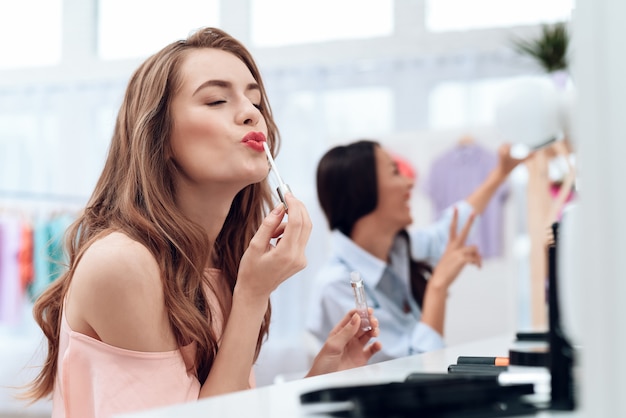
x=365 y=111
x=28 y=150
x=30 y=33
x=450 y=15
x=457 y=104
x=138 y=28
x=289 y=22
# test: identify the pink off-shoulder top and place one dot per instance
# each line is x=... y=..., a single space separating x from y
x=98 y=380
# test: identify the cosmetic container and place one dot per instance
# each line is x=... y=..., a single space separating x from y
x=361 y=302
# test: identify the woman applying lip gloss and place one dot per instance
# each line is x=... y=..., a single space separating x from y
x=167 y=294
x=365 y=198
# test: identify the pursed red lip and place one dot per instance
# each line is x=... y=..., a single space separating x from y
x=254 y=140
x=255 y=137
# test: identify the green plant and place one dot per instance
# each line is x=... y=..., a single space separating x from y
x=550 y=49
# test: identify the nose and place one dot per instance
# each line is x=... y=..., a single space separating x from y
x=249 y=114
x=410 y=182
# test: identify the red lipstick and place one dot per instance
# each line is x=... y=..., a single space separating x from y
x=254 y=140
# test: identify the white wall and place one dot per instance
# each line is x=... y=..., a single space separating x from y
x=599 y=264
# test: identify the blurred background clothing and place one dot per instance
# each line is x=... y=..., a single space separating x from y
x=453 y=176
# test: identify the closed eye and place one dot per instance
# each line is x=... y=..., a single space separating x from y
x=216 y=103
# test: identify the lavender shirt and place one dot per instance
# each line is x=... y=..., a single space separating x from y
x=10 y=287
x=454 y=175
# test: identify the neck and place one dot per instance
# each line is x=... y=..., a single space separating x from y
x=208 y=208
x=374 y=236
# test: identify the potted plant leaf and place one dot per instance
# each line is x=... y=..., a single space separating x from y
x=549 y=50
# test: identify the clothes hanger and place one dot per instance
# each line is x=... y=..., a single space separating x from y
x=466 y=140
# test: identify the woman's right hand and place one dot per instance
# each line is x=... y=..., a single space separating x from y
x=265 y=266
x=347 y=346
x=456 y=254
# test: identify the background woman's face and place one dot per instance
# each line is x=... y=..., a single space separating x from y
x=394 y=191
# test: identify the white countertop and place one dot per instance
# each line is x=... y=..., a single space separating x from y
x=283 y=399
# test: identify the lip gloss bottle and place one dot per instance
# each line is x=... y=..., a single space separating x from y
x=361 y=302
x=282 y=188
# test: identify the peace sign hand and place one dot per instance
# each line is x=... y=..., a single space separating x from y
x=456 y=254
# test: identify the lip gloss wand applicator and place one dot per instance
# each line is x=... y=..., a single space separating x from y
x=283 y=188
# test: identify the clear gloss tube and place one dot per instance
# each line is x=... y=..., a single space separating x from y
x=361 y=302
x=283 y=188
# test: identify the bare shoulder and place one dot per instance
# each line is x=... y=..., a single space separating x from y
x=116 y=296
x=116 y=263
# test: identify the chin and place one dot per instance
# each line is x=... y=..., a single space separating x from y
x=262 y=176
x=257 y=173
x=255 y=180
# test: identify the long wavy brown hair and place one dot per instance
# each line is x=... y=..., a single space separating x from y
x=135 y=194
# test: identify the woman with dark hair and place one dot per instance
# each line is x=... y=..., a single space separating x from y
x=171 y=265
x=366 y=201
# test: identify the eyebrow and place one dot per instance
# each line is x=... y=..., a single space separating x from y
x=223 y=84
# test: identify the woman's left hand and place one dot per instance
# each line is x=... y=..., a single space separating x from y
x=347 y=346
